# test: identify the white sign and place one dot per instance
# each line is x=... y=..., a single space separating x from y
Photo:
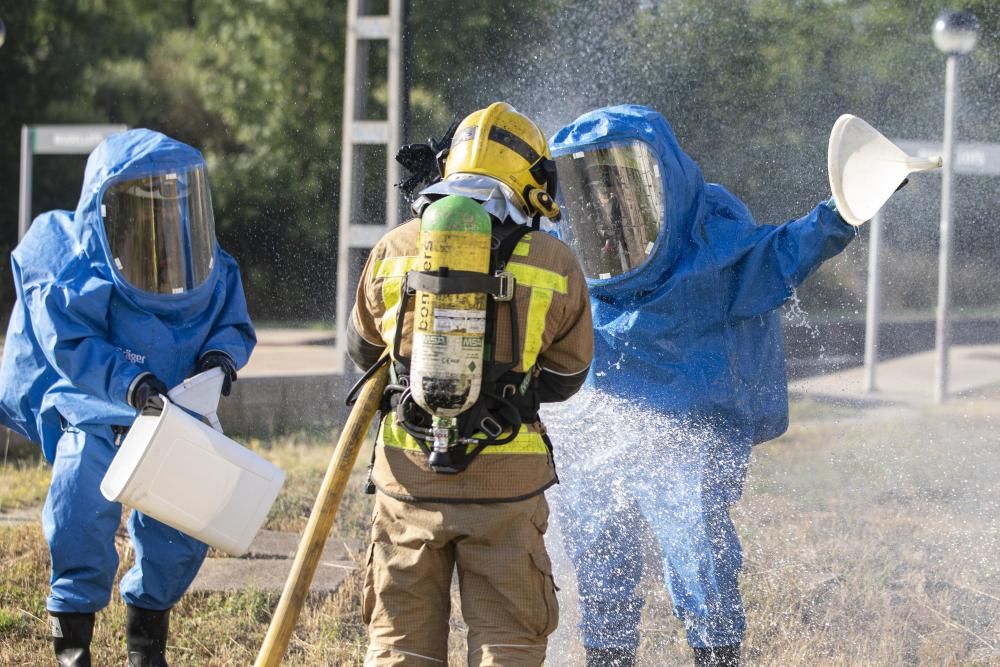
x=69 y=139
x=970 y=158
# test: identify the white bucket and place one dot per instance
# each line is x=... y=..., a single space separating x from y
x=200 y=394
x=180 y=471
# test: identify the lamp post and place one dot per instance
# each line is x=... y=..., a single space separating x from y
x=955 y=35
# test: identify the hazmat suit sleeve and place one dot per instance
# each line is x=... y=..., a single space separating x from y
x=763 y=264
x=233 y=334
x=70 y=320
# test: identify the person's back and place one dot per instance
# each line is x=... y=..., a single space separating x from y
x=549 y=299
x=486 y=513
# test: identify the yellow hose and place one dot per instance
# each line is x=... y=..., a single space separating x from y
x=352 y=438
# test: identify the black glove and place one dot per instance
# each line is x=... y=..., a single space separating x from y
x=219 y=360
x=146 y=395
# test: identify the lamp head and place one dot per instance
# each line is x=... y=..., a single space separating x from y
x=955 y=32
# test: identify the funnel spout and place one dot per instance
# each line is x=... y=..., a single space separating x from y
x=924 y=163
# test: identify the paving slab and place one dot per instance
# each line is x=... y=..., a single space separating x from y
x=20 y=517
x=230 y=575
x=277 y=544
x=907 y=380
x=268 y=561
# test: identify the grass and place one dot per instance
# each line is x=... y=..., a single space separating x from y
x=869 y=540
x=206 y=629
x=868 y=543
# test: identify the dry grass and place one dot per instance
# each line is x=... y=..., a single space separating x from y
x=867 y=542
x=870 y=540
x=213 y=630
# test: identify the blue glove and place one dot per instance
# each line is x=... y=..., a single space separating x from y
x=147 y=394
x=219 y=360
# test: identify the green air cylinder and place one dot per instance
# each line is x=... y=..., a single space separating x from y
x=449 y=334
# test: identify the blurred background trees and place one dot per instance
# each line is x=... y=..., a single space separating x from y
x=751 y=88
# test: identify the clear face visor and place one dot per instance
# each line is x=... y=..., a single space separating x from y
x=612 y=206
x=161 y=230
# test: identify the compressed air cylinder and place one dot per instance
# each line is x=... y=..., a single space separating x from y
x=449 y=332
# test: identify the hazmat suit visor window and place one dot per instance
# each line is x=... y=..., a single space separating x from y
x=161 y=230
x=612 y=199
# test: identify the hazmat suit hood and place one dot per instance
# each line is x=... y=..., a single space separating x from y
x=694 y=330
x=683 y=193
x=119 y=158
x=81 y=333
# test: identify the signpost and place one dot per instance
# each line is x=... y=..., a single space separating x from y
x=970 y=158
x=53 y=140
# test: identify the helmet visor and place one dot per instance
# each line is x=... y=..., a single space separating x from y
x=161 y=230
x=613 y=206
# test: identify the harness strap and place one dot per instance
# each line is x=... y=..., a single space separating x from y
x=499 y=286
x=502 y=412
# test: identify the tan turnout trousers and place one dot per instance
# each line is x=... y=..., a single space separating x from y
x=508 y=596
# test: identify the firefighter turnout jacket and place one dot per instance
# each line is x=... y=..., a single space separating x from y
x=555 y=347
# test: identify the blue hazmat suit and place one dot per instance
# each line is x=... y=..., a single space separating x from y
x=692 y=336
x=80 y=334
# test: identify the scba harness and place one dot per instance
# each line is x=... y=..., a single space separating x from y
x=507 y=399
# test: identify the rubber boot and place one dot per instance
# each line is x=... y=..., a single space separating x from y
x=146 y=637
x=718 y=656
x=71 y=635
x=610 y=657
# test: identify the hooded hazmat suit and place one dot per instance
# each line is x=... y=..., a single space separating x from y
x=80 y=336
x=691 y=337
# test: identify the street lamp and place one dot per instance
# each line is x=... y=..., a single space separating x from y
x=955 y=35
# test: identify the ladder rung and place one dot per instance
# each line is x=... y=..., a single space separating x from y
x=365 y=236
x=372 y=27
x=370 y=132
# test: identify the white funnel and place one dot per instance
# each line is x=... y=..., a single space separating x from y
x=200 y=394
x=866 y=168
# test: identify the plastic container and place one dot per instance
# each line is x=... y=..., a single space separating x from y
x=200 y=394
x=193 y=478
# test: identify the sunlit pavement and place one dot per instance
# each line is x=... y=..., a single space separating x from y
x=282 y=352
x=906 y=380
x=294 y=379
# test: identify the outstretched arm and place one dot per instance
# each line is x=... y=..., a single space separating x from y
x=763 y=264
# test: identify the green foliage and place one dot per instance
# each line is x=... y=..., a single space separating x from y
x=751 y=87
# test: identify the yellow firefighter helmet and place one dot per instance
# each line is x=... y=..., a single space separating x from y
x=500 y=142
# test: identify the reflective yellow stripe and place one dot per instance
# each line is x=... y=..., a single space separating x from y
x=526 y=442
x=391 y=270
x=523 y=246
x=538 y=309
x=394 y=267
x=532 y=276
x=391 y=293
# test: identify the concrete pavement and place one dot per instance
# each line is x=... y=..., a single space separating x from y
x=906 y=380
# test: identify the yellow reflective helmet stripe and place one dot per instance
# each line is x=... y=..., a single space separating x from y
x=525 y=442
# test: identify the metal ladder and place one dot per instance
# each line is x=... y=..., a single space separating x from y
x=357 y=132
